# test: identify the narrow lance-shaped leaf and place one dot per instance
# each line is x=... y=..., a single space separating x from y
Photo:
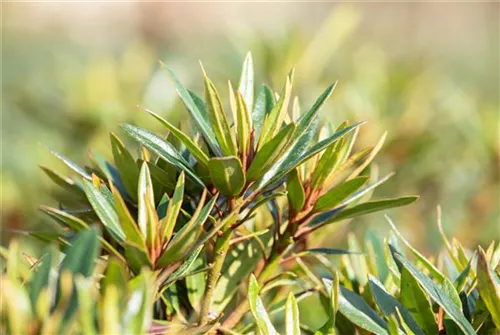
x=489 y=287
x=164 y=149
x=246 y=86
x=389 y=305
x=292 y=322
x=227 y=175
x=417 y=303
x=127 y=222
x=370 y=157
x=373 y=206
x=356 y=310
x=187 y=238
x=443 y=280
x=218 y=118
x=258 y=310
x=295 y=191
x=174 y=207
x=146 y=201
x=339 y=193
x=297 y=157
x=73 y=166
x=268 y=154
x=197 y=114
x=126 y=166
x=437 y=294
x=274 y=119
x=193 y=148
x=263 y=105
x=307 y=118
x=104 y=211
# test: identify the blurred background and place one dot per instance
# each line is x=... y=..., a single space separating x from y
x=428 y=73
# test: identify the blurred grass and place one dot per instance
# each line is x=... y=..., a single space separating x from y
x=430 y=77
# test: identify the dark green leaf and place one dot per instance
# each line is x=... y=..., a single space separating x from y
x=126 y=166
x=388 y=305
x=164 y=149
x=197 y=114
x=437 y=294
x=185 y=139
x=104 y=211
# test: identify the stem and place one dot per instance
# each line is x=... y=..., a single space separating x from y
x=220 y=251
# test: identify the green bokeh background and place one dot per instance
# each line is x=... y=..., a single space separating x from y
x=428 y=73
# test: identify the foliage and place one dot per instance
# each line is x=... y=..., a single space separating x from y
x=207 y=213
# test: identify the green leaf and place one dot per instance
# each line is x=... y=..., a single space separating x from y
x=242 y=119
x=333 y=289
x=218 y=119
x=356 y=310
x=138 y=314
x=292 y=323
x=296 y=157
x=373 y=206
x=174 y=207
x=147 y=221
x=438 y=295
x=307 y=118
x=193 y=105
x=195 y=285
x=247 y=82
x=104 y=211
x=40 y=279
x=359 y=194
x=258 y=310
x=443 y=280
x=184 y=268
x=339 y=193
x=73 y=166
x=127 y=222
x=268 y=153
x=417 y=303
x=370 y=157
x=193 y=148
x=295 y=191
x=187 y=237
x=388 y=304
x=64 y=182
x=274 y=119
x=163 y=149
x=126 y=166
x=263 y=105
x=227 y=175
x=81 y=259
x=489 y=287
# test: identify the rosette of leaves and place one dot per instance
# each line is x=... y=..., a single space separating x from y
x=384 y=292
x=205 y=208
